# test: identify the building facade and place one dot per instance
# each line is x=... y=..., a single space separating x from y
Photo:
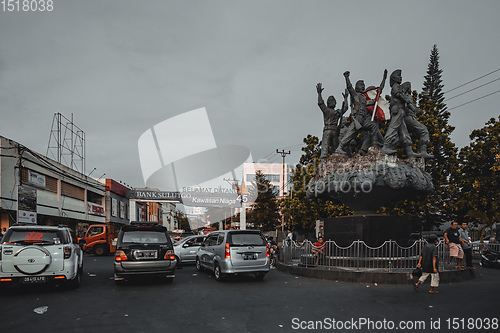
x=51 y=192
x=274 y=173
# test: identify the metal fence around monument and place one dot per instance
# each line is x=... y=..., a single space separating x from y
x=389 y=257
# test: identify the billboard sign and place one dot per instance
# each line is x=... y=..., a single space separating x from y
x=26 y=204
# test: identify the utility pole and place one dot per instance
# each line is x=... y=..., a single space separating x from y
x=283 y=154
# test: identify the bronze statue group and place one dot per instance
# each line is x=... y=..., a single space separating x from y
x=366 y=116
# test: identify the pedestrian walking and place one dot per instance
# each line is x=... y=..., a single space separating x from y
x=428 y=261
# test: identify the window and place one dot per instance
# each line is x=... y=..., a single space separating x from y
x=37 y=236
x=246 y=238
x=220 y=240
x=144 y=237
x=72 y=191
x=273 y=178
x=95 y=231
x=211 y=240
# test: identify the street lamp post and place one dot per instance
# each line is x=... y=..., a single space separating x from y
x=283 y=154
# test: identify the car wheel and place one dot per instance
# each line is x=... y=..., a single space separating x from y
x=99 y=250
x=75 y=283
x=260 y=276
x=273 y=261
x=198 y=265
x=217 y=273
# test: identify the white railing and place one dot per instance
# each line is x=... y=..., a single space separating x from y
x=358 y=256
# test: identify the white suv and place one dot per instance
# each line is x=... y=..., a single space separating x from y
x=32 y=254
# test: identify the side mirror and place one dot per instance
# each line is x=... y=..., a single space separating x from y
x=114 y=241
x=186 y=245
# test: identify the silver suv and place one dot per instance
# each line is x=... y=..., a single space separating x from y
x=32 y=254
x=232 y=252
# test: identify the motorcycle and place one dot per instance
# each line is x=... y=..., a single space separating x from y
x=273 y=253
x=490 y=258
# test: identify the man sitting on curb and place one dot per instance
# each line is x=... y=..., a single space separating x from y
x=452 y=239
x=428 y=261
x=319 y=250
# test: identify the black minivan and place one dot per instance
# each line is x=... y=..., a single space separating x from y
x=144 y=248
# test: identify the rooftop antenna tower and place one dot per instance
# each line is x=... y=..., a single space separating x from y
x=67 y=143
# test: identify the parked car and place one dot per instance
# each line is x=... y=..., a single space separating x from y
x=144 y=248
x=33 y=254
x=232 y=252
x=185 y=249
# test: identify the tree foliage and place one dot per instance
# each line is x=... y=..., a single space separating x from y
x=264 y=213
x=478 y=177
x=183 y=221
x=299 y=212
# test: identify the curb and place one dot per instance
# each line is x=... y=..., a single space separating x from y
x=366 y=276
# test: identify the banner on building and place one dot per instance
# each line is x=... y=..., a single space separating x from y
x=95 y=209
x=26 y=204
x=36 y=179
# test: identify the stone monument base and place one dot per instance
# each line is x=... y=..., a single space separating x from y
x=374 y=229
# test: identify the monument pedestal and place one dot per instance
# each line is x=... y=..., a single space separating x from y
x=373 y=229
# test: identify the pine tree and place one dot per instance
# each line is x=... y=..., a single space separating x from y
x=434 y=115
x=433 y=85
x=264 y=213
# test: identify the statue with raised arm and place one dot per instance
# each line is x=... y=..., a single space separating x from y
x=397 y=131
x=331 y=117
x=361 y=117
x=413 y=125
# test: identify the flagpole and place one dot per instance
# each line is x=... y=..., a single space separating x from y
x=376 y=103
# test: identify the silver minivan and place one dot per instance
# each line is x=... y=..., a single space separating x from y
x=232 y=252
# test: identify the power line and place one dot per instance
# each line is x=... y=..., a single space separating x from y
x=460 y=86
x=465 y=92
x=473 y=100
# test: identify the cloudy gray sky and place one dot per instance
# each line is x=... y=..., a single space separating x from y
x=123 y=66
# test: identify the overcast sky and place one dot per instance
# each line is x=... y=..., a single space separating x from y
x=123 y=66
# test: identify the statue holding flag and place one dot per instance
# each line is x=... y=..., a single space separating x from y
x=361 y=117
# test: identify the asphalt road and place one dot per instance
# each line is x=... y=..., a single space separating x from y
x=195 y=302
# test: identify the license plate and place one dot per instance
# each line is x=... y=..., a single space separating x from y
x=34 y=279
x=145 y=254
x=250 y=256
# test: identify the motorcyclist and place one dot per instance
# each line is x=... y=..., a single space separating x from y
x=273 y=250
